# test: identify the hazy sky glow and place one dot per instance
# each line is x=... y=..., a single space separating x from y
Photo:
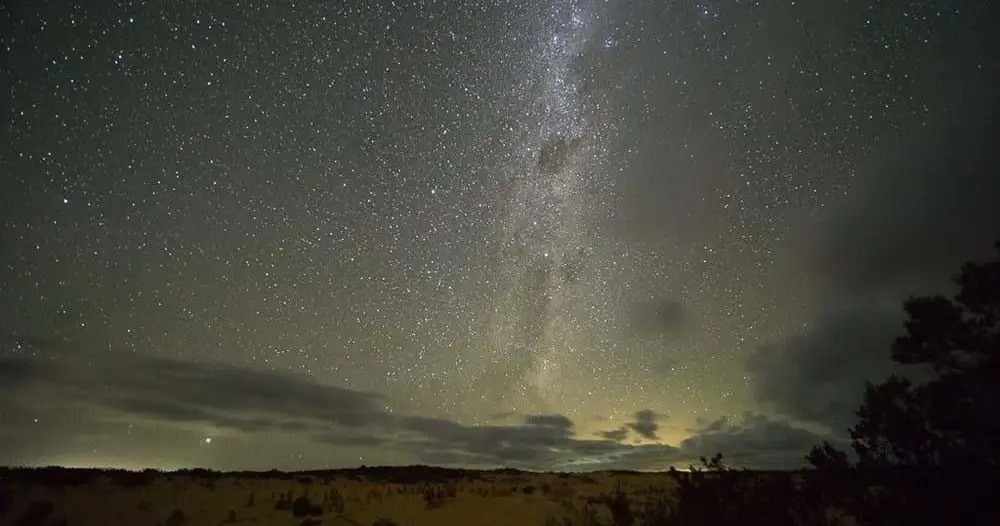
x=571 y=234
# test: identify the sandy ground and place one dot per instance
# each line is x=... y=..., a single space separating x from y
x=478 y=499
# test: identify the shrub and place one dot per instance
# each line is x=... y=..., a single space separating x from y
x=176 y=518
x=301 y=507
x=36 y=514
x=621 y=509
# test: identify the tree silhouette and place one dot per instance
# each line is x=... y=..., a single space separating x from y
x=952 y=419
x=827 y=458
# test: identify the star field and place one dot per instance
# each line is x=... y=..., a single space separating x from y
x=474 y=210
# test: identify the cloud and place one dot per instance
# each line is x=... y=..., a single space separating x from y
x=232 y=389
x=248 y=403
x=757 y=440
x=645 y=424
x=16 y=372
x=555 y=421
x=754 y=440
x=923 y=205
x=911 y=235
x=244 y=401
x=19 y=359
x=819 y=375
x=615 y=434
x=194 y=392
x=537 y=441
x=659 y=316
x=348 y=439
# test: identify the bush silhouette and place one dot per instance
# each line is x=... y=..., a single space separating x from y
x=621 y=509
x=37 y=514
x=717 y=494
x=301 y=507
x=176 y=518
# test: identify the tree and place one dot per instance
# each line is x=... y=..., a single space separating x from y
x=827 y=457
x=952 y=419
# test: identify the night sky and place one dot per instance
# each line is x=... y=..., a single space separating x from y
x=562 y=234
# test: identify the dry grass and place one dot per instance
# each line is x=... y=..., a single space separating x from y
x=47 y=497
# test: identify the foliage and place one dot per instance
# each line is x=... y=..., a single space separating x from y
x=176 y=518
x=952 y=419
x=621 y=509
x=301 y=507
x=717 y=494
x=828 y=458
x=927 y=451
x=37 y=514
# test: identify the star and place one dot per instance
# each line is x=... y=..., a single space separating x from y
x=352 y=224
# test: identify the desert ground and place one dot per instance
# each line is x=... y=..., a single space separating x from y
x=412 y=496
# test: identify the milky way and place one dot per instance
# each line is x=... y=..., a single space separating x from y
x=541 y=247
x=327 y=233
